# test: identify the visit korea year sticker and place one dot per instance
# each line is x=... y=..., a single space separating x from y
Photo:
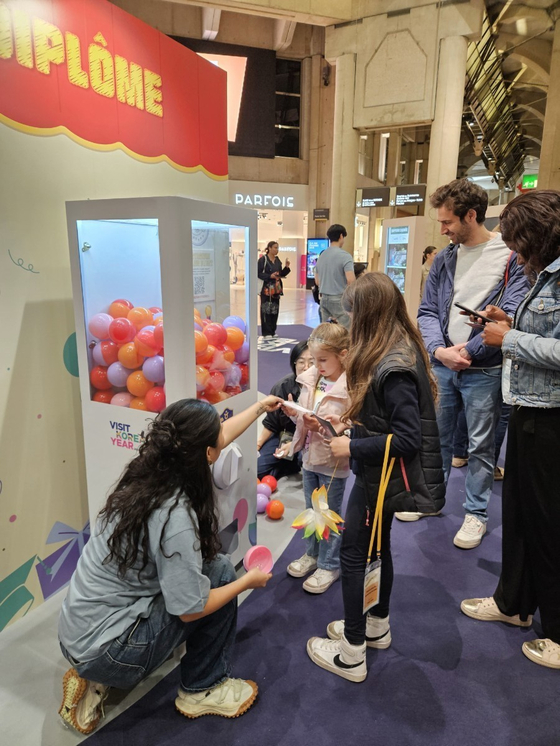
x=372 y=584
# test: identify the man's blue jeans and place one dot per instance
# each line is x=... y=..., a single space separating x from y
x=481 y=393
x=151 y=641
x=326 y=552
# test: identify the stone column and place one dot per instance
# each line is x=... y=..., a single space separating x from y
x=549 y=171
x=446 y=127
x=346 y=142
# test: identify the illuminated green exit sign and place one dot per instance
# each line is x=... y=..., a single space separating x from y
x=530 y=181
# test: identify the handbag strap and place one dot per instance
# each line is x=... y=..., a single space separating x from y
x=383 y=484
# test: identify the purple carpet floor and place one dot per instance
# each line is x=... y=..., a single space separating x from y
x=274 y=365
x=447 y=680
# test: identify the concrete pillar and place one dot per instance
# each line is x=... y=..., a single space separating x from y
x=346 y=143
x=446 y=127
x=549 y=171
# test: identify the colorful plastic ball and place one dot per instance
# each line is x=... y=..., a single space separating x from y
x=217 y=382
x=105 y=352
x=242 y=354
x=99 y=325
x=155 y=399
x=122 y=399
x=103 y=397
x=129 y=356
x=235 y=322
x=122 y=331
x=214 y=397
x=233 y=390
x=271 y=481
x=145 y=342
x=197 y=312
x=235 y=338
x=275 y=510
x=244 y=374
x=264 y=489
x=233 y=376
x=154 y=369
x=98 y=378
x=138 y=403
x=158 y=335
x=155 y=309
x=262 y=502
x=118 y=374
x=200 y=343
x=227 y=354
x=140 y=317
x=119 y=308
x=202 y=378
x=215 y=334
x=138 y=384
x=158 y=319
x=204 y=358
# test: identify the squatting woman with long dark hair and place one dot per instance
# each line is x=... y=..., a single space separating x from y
x=151 y=576
x=392 y=393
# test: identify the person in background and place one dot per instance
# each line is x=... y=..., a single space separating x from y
x=475 y=270
x=359 y=269
x=530 y=344
x=276 y=436
x=333 y=272
x=428 y=256
x=270 y=272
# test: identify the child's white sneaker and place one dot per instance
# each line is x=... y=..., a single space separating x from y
x=302 y=566
x=378 y=632
x=321 y=580
x=339 y=657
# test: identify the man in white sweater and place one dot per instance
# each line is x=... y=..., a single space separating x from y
x=477 y=269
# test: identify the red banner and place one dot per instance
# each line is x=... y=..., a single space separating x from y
x=89 y=70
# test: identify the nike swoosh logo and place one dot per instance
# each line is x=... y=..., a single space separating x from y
x=375 y=639
x=341 y=663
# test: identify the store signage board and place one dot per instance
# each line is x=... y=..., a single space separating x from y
x=321 y=213
x=123 y=85
x=373 y=197
x=414 y=194
x=258 y=194
x=530 y=181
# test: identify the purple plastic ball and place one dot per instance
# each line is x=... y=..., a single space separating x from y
x=262 y=502
x=154 y=368
x=264 y=489
x=97 y=354
x=242 y=354
x=234 y=321
x=118 y=374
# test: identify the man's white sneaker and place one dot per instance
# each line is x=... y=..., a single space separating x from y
x=543 y=652
x=471 y=532
x=302 y=566
x=378 y=631
x=230 y=699
x=339 y=657
x=82 y=702
x=409 y=516
x=320 y=581
x=486 y=610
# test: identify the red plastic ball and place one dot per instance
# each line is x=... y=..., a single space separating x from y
x=215 y=334
x=158 y=335
x=271 y=481
x=122 y=331
x=155 y=399
x=98 y=378
x=275 y=509
x=244 y=368
x=103 y=397
x=217 y=382
x=109 y=351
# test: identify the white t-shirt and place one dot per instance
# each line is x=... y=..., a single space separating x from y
x=479 y=269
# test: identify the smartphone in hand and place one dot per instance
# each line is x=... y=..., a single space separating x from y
x=484 y=319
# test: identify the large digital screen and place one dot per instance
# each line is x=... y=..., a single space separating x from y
x=315 y=246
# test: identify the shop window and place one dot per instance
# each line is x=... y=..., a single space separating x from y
x=288 y=108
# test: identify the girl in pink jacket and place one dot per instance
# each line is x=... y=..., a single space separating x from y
x=323 y=391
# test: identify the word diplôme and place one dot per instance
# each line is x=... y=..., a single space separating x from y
x=123 y=438
x=39 y=44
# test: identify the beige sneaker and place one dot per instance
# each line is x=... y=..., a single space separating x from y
x=457 y=462
x=409 y=516
x=378 y=632
x=321 y=580
x=543 y=652
x=486 y=610
x=471 y=532
x=303 y=566
x=82 y=702
x=230 y=699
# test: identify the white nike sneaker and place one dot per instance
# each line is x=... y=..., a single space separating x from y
x=339 y=657
x=378 y=632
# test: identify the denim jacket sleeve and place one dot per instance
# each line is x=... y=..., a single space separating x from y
x=429 y=312
x=540 y=352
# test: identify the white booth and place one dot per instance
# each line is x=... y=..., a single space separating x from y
x=142 y=265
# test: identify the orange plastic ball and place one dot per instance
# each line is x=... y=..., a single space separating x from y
x=197 y=312
x=140 y=317
x=200 y=343
x=119 y=308
x=275 y=509
x=138 y=384
x=104 y=397
x=130 y=357
x=202 y=378
x=206 y=357
x=98 y=378
x=235 y=337
x=138 y=403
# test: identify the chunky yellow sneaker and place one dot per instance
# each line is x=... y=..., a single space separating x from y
x=230 y=699
x=82 y=702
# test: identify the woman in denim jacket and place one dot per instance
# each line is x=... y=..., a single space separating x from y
x=530 y=577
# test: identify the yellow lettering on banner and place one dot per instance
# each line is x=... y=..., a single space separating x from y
x=152 y=92
x=49 y=45
x=76 y=74
x=130 y=85
x=22 y=32
x=101 y=68
x=6 y=43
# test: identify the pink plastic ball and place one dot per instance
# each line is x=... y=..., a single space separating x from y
x=264 y=489
x=99 y=325
x=122 y=399
x=215 y=334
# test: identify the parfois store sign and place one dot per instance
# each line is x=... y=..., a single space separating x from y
x=93 y=72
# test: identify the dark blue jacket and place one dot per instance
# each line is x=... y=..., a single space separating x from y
x=433 y=314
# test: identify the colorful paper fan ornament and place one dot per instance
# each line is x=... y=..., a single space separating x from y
x=318 y=519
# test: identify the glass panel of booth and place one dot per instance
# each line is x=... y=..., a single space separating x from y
x=122 y=298
x=397 y=254
x=221 y=309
